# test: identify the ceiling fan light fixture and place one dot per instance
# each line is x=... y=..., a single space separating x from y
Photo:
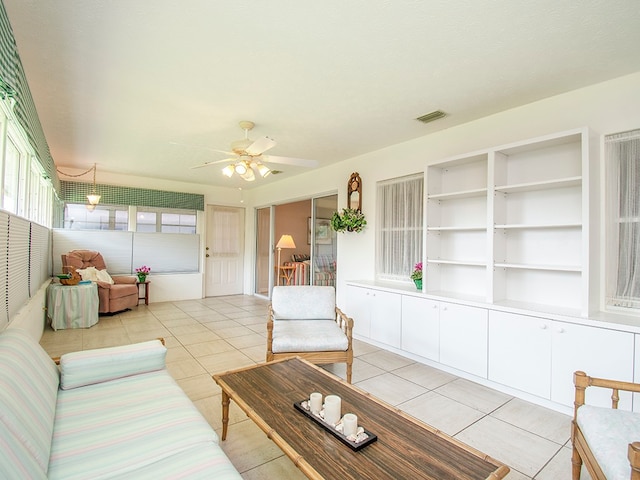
x=248 y=175
x=228 y=171
x=240 y=168
x=263 y=170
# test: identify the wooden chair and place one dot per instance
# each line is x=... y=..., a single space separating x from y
x=606 y=440
x=304 y=321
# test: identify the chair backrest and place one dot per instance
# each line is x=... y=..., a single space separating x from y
x=304 y=302
x=81 y=259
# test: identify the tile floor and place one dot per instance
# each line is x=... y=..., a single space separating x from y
x=217 y=334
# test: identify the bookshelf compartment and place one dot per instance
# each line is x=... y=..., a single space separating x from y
x=457 y=281
x=540 y=290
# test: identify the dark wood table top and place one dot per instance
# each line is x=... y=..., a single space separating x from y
x=405 y=449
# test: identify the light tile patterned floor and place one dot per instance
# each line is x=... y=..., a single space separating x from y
x=217 y=334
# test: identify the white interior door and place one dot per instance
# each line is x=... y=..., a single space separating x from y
x=224 y=259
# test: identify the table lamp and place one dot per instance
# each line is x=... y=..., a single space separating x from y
x=286 y=241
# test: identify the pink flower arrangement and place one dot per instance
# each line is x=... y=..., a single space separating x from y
x=417 y=272
x=144 y=270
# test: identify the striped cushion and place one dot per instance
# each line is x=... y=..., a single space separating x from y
x=108 y=430
x=202 y=462
x=28 y=389
x=93 y=366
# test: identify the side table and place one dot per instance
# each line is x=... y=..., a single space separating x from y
x=72 y=306
x=145 y=297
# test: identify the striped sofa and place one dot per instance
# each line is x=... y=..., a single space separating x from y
x=102 y=414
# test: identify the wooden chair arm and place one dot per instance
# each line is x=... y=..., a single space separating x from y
x=582 y=381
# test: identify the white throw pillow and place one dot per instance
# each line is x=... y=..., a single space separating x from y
x=103 y=276
x=89 y=273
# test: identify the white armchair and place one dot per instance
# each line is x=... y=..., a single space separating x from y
x=304 y=321
x=606 y=440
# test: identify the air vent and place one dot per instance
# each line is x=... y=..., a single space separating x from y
x=431 y=116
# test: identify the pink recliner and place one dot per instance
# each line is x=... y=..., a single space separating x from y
x=121 y=295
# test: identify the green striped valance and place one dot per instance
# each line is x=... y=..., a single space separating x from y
x=13 y=84
x=75 y=192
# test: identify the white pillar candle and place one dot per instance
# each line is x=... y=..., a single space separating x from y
x=350 y=424
x=315 y=402
x=332 y=409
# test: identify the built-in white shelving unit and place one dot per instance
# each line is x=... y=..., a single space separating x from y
x=509 y=225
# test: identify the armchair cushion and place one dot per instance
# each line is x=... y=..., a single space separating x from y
x=304 y=302
x=95 y=366
x=308 y=336
x=608 y=432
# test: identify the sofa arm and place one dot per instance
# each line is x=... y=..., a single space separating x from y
x=100 y=365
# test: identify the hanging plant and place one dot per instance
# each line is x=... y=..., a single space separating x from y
x=351 y=220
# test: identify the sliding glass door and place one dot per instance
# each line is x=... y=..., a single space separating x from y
x=324 y=246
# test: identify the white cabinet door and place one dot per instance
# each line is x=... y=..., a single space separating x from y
x=596 y=351
x=386 y=321
x=463 y=338
x=421 y=327
x=520 y=352
x=358 y=308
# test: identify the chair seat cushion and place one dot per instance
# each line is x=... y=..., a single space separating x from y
x=308 y=336
x=609 y=432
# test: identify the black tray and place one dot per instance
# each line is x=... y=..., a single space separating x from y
x=353 y=445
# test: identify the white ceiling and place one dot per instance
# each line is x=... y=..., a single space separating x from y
x=144 y=87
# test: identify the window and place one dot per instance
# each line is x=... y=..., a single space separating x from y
x=622 y=165
x=11 y=177
x=104 y=217
x=399 y=227
x=166 y=220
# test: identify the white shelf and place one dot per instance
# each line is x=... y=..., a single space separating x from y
x=537 y=226
x=467 y=263
x=480 y=192
x=527 y=231
x=545 y=185
x=550 y=268
x=476 y=228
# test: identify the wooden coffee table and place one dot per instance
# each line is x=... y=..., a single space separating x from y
x=405 y=448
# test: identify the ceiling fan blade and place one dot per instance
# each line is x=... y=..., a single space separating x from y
x=260 y=146
x=200 y=147
x=213 y=162
x=297 y=162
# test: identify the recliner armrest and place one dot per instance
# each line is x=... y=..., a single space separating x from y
x=124 y=279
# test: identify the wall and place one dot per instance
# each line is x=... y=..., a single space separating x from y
x=607 y=107
x=293 y=219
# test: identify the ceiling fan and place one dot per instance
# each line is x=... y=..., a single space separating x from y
x=249 y=157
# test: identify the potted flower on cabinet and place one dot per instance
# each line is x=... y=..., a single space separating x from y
x=351 y=220
x=416 y=275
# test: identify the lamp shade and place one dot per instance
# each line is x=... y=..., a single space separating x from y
x=286 y=241
x=93 y=198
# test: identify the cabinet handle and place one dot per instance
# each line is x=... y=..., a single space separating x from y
x=560 y=330
x=543 y=326
x=444 y=308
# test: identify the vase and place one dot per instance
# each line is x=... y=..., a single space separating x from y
x=142 y=277
x=418 y=283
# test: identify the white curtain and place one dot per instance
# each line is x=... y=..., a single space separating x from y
x=622 y=167
x=399 y=227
